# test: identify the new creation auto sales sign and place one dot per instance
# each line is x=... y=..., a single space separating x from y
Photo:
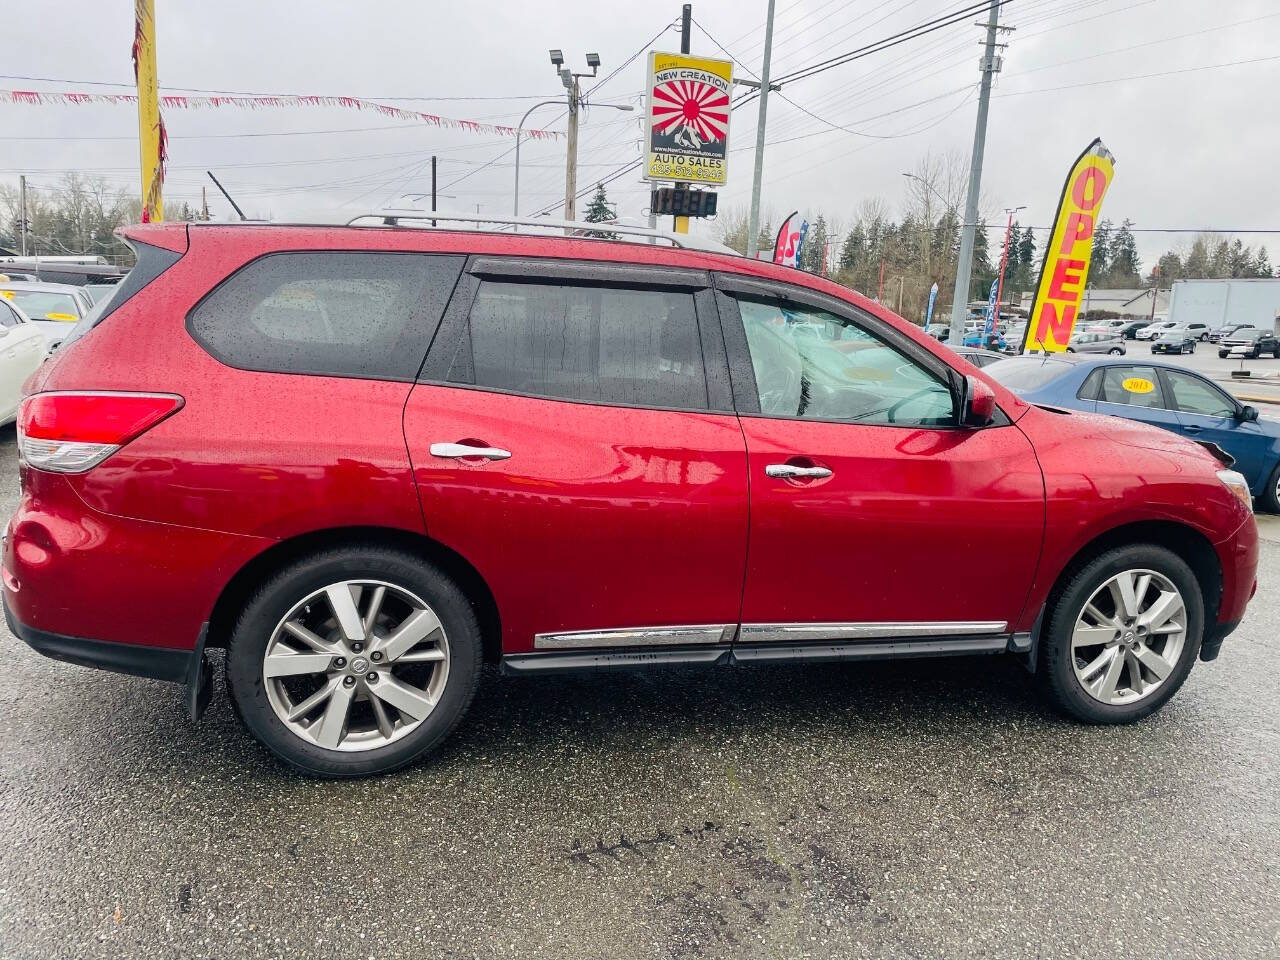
x=688 y=121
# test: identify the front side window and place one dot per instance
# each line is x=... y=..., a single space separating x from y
x=1133 y=386
x=340 y=314
x=600 y=344
x=813 y=364
x=1193 y=395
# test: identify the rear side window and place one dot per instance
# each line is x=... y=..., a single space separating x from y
x=1134 y=386
x=628 y=347
x=341 y=314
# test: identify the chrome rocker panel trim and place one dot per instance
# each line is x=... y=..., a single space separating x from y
x=636 y=637
x=829 y=632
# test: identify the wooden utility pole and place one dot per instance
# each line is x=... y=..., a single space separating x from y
x=149 y=129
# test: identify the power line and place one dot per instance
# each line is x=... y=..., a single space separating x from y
x=1140 y=76
x=893 y=40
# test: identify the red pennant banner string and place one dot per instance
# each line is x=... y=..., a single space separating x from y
x=43 y=98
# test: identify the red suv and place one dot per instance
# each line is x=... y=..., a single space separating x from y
x=366 y=460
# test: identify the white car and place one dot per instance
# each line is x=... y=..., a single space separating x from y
x=22 y=349
x=53 y=307
x=1153 y=330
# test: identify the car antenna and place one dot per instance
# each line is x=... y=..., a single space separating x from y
x=223 y=189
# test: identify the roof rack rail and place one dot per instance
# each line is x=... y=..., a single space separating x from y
x=579 y=228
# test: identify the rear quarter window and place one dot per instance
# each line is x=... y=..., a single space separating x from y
x=342 y=314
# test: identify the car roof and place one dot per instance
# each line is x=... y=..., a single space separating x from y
x=38 y=287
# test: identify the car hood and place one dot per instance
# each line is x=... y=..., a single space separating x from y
x=1114 y=431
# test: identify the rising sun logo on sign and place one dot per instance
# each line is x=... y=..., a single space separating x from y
x=699 y=108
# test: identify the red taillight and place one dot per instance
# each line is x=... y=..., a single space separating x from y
x=74 y=432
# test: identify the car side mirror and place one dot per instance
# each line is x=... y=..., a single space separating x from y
x=1247 y=414
x=978 y=403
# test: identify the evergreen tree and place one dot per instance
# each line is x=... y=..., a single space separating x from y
x=1026 y=260
x=815 y=246
x=1170 y=267
x=983 y=271
x=854 y=249
x=598 y=211
x=1100 y=265
x=767 y=237
x=1126 y=268
x=1262 y=264
x=1197 y=265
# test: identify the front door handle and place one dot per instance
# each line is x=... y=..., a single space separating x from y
x=789 y=471
x=1191 y=428
x=456 y=451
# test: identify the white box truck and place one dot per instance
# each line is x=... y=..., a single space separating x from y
x=1221 y=303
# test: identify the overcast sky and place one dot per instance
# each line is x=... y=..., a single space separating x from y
x=1195 y=148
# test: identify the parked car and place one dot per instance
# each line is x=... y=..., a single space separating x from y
x=976 y=338
x=1152 y=330
x=941 y=334
x=1219 y=333
x=22 y=349
x=1130 y=330
x=365 y=460
x=1194 y=329
x=1249 y=342
x=1163 y=395
x=99 y=291
x=1114 y=326
x=1096 y=343
x=979 y=357
x=53 y=307
x=1174 y=341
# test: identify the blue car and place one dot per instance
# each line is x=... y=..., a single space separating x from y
x=974 y=338
x=1159 y=394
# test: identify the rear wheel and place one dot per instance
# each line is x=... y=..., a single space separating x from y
x=1115 y=351
x=354 y=662
x=1122 y=636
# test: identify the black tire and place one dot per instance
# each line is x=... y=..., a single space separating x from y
x=1193 y=347
x=1257 y=354
x=1222 y=354
x=1056 y=673
x=1275 y=354
x=1115 y=351
x=278 y=596
x=1271 y=495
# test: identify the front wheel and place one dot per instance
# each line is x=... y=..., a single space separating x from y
x=1271 y=495
x=1115 y=351
x=1191 y=347
x=1122 y=635
x=354 y=662
x=1222 y=354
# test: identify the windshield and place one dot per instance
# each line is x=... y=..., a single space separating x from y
x=39 y=305
x=1251 y=334
x=1021 y=374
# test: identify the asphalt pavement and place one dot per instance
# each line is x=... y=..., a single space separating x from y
x=915 y=810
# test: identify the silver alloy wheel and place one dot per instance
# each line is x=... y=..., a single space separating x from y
x=356 y=665
x=1128 y=637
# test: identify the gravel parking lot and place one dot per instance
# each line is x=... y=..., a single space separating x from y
x=888 y=810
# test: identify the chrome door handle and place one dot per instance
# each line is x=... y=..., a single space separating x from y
x=790 y=471
x=1191 y=428
x=459 y=450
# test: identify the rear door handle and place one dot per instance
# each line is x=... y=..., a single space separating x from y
x=1191 y=428
x=790 y=471
x=457 y=451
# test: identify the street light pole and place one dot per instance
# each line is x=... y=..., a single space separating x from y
x=515 y=208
